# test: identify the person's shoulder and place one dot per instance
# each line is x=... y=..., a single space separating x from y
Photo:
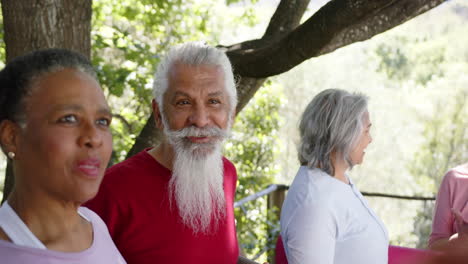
x=314 y=186
x=12 y=253
x=128 y=163
x=119 y=176
x=319 y=180
x=92 y=217
x=230 y=173
x=460 y=171
x=456 y=174
x=100 y=230
x=227 y=162
x=309 y=196
x=228 y=165
x=116 y=174
x=137 y=162
x=89 y=214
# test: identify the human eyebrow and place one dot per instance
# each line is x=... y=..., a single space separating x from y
x=214 y=94
x=179 y=93
x=104 y=111
x=66 y=107
x=78 y=108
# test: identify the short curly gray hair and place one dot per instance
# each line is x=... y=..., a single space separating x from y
x=331 y=123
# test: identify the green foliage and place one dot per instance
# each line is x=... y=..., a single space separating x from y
x=253 y=149
x=248 y=17
x=428 y=60
x=230 y=2
x=446 y=141
x=423 y=224
x=403 y=58
x=445 y=146
x=392 y=60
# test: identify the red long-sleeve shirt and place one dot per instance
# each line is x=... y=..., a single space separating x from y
x=133 y=202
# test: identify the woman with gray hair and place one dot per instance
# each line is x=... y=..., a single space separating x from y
x=324 y=218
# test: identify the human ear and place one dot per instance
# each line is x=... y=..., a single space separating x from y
x=8 y=136
x=157 y=114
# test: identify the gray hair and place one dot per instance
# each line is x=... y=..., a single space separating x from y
x=195 y=54
x=331 y=123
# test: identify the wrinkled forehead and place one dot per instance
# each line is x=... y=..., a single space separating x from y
x=207 y=78
x=178 y=67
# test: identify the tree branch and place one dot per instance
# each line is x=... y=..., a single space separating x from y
x=286 y=18
x=149 y=136
x=337 y=24
x=124 y=121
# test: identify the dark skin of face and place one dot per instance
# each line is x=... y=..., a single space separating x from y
x=61 y=155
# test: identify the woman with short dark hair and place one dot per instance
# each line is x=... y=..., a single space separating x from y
x=324 y=218
x=54 y=129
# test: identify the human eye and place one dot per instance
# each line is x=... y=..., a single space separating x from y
x=68 y=119
x=105 y=121
x=214 y=101
x=182 y=102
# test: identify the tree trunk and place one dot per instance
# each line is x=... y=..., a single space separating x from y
x=32 y=25
x=150 y=135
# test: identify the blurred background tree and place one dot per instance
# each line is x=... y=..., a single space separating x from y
x=445 y=146
x=254 y=148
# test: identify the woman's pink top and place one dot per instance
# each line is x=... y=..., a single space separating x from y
x=102 y=250
x=453 y=193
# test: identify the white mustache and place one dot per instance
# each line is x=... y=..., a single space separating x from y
x=193 y=131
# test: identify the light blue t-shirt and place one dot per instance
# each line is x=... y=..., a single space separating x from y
x=326 y=221
x=102 y=250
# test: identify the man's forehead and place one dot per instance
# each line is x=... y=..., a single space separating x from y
x=209 y=93
x=202 y=70
x=189 y=79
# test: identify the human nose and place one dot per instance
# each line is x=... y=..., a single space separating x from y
x=200 y=117
x=90 y=136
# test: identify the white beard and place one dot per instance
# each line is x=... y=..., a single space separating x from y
x=196 y=183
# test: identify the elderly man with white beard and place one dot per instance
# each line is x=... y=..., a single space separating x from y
x=174 y=203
